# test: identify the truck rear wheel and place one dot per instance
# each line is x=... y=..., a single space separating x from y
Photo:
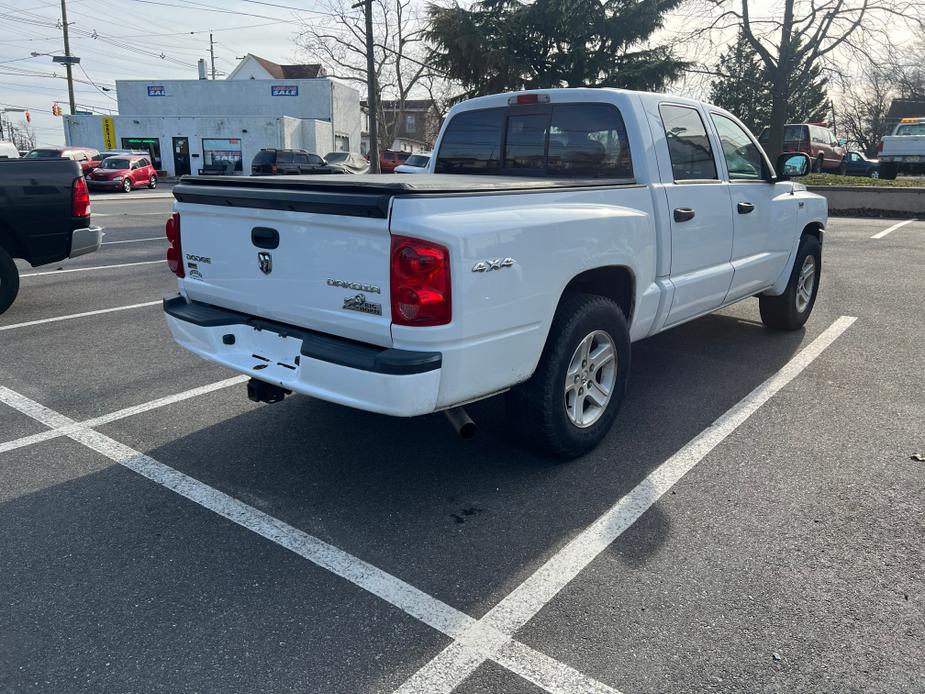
x=790 y=310
x=888 y=170
x=9 y=280
x=569 y=404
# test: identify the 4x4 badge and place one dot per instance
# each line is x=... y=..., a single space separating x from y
x=265 y=262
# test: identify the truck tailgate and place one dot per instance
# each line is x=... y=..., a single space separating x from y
x=325 y=272
x=904 y=145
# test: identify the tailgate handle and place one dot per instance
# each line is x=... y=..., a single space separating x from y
x=265 y=237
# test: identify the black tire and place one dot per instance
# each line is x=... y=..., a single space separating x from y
x=9 y=281
x=783 y=312
x=817 y=164
x=537 y=409
x=888 y=171
x=127 y=185
x=152 y=182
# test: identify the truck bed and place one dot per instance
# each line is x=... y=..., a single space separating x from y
x=365 y=195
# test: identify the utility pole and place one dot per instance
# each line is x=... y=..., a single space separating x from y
x=372 y=90
x=211 y=52
x=67 y=55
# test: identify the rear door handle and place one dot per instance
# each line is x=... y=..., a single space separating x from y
x=683 y=214
x=265 y=237
x=745 y=207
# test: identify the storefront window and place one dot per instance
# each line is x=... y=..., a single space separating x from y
x=217 y=151
x=151 y=145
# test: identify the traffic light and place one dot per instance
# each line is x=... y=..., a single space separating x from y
x=28 y=117
x=55 y=110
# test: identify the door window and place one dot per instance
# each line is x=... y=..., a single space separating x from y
x=284 y=157
x=315 y=160
x=301 y=158
x=688 y=144
x=743 y=158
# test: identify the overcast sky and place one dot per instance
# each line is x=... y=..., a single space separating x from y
x=163 y=39
x=131 y=36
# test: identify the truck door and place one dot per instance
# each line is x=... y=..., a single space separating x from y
x=699 y=215
x=763 y=212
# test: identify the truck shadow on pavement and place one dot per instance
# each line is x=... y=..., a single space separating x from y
x=467 y=521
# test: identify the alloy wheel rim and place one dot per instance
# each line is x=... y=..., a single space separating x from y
x=590 y=379
x=806 y=283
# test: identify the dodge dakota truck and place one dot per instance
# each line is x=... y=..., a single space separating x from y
x=555 y=228
x=904 y=150
x=44 y=217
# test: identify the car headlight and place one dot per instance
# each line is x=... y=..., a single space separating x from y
x=117 y=178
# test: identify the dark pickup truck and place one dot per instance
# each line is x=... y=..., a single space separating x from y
x=44 y=217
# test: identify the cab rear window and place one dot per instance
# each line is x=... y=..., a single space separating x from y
x=577 y=140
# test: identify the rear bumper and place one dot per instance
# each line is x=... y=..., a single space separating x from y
x=85 y=241
x=388 y=381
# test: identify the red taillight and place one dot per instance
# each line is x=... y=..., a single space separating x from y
x=80 y=198
x=420 y=282
x=880 y=147
x=174 y=252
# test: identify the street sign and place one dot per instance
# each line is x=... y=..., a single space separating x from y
x=109 y=132
x=65 y=59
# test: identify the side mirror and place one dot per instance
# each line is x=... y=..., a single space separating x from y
x=792 y=165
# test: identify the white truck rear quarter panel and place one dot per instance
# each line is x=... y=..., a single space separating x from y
x=501 y=318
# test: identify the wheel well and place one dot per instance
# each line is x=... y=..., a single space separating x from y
x=615 y=282
x=9 y=242
x=814 y=229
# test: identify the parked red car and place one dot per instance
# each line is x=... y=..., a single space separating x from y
x=87 y=157
x=125 y=173
x=389 y=159
x=816 y=141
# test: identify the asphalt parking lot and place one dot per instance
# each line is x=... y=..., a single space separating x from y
x=754 y=522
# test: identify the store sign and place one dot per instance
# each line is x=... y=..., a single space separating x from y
x=157 y=90
x=284 y=90
x=109 y=133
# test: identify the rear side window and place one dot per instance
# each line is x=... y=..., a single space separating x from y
x=796 y=133
x=265 y=157
x=688 y=144
x=563 y=140
x=284 y=157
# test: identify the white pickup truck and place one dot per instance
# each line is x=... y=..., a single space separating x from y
x=904 y=150
x=555 y=228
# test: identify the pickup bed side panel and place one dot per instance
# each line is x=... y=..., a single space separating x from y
x=35 y=208
x=501 y=318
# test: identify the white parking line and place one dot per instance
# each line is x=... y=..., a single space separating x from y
x=87 y=269
x=554 y=676
x=119 y=414
x=456 y=662
x=78 y=315
x=881 y=234
x=131 y=214
x=150 y=238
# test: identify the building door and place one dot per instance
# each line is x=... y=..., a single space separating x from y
x=181 y=156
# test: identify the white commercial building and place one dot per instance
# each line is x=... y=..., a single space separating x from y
x=188 y=125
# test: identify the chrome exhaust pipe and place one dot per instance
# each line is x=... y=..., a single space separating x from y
x=461 y=422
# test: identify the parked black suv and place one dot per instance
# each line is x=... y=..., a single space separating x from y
x=278 y=162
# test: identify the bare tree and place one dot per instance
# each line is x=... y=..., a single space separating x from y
x=809 y=33
x=338 y=41
x=865 y=100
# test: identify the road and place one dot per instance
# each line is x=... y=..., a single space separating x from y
x=753 y=523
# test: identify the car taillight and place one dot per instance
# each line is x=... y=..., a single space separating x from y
x=174 y=252
x=420 y=282
x=80 y=198
x=273 y=169
x=880 y=147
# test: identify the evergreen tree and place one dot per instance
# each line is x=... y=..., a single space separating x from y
x=743 y=88
x=500 y=45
